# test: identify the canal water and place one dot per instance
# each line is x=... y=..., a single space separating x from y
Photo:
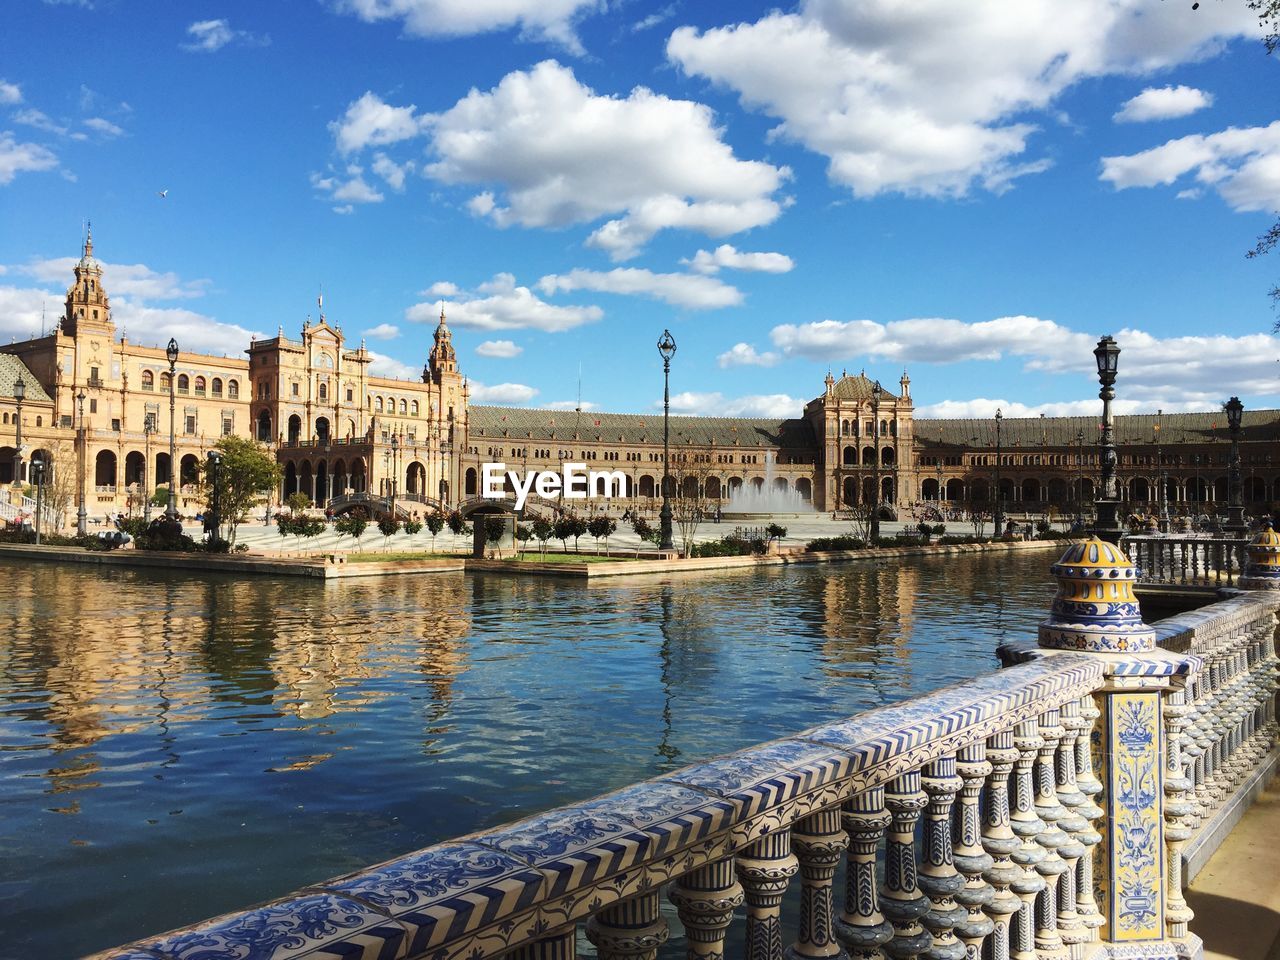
x=172 y=747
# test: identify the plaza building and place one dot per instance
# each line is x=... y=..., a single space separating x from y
x=100 y=411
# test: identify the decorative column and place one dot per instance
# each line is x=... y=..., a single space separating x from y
x=901 y=899
x=862 y=928
x=1095 y=613
x=819 y=844
x=559 y=944
x=705 y=900
x=939 y=878
x=999 y=841
x=1027 y=826
x=630 y=930
x=765 y=868
x=1091 y=788
x=970 y=857
x=1048 y=941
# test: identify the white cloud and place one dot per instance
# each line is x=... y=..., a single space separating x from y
x=442 y=288
x=550 y=20
x=208 y=36
x=1162 y=103
x=502 y=393
x=500 y=304
x=584 y=405
x=32 y=117
x=677 y=289
x=105 y=127
x=372 y=122
x=392 y=172
x=10 y=93
x=717 y=405
x=549 y=152
x=383 y=331
x=16 y=158
x=745 y=355
x=344 y=209
x=23 y=311
x=382 y=365
x=728 y=256
x=653 y=19
x=119 y=279
x=981 y=408
x=195 y=332
x=934 y=97
x=1241 y=163
x=504 y=349
x=349 y=187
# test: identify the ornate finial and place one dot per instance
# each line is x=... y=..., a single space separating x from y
x=1262 y=572
x=280 y=330
x=1095 y=609
x=88 y=238
x=441 y=311
x=320 y=303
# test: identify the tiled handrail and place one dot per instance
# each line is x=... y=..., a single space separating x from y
x=989 y=763
x=1192 y=560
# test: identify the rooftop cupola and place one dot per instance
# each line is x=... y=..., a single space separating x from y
x=87 y=306
x=443 y=358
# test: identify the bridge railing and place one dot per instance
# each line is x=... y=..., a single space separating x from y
x=1040 y=812
x=1187 y=560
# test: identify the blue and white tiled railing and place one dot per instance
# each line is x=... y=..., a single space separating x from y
x=1036 y=813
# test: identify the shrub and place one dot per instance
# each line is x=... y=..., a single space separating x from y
x=775 y=532
x=835 y=543
x=456 y=522
x=730 y=546
x=413 y=527
x=643 y=530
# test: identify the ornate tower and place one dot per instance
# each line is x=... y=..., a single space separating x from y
x=442 y=358
x=87 y=310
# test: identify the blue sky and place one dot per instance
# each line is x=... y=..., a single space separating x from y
x=974 y=192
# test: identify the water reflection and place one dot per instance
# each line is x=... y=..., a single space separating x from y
x=227 y=741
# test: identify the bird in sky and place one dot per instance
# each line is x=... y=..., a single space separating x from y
x=163 y=194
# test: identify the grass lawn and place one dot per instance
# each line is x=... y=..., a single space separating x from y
x=377 y=556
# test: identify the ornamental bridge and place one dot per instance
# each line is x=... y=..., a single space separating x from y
x=1050 y=810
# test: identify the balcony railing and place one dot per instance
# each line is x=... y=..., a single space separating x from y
x=1065 y=774
x=1187 y=560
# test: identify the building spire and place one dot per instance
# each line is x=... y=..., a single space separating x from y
x=88 y=239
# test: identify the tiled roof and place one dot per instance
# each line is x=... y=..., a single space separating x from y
x=1062 y=431
x=11 y=368
x=859 y=388
x=521 y=423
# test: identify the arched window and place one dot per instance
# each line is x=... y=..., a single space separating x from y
x=39 y=421
x=216 y=386
x=404 y=405
x=165 y=381
x=324 y=391
x=413 y=408
x=233 y=389
x=184 y=383
x=377 y=404
x=148 y=380
x=200 y=386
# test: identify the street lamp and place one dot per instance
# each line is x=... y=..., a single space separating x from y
x=213 y=516
x=395 y=470
x=19 y=394
x=1107 y=526
x=998 y=515
x=1235 y=506
x=82 y=514
x=874 y=528
x=1163 y=478
x=37 y=476
x=667 y=350
x=172 y=513
x=1080 y=479
x=148 y=428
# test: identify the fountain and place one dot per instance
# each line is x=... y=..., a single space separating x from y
x=747 y=500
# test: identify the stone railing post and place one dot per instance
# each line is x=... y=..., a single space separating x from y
x=1142 y=711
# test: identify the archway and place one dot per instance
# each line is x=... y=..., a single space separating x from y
x=780 y=483
x=290 y=479
x=415 y=479
x=1255 y=489
x=888 y=490
x=645 y=486
x=757 y=484
x=1031 y=489
x=357 y=475
x=929 y=489
x=1220 y=490
x=868 y=456
x=689 y=488
x=189 y=470
x=850 y=491
x=338 y=479
x=306 y=483
x=163 y=473
x=804 y=487
x=104 y=470
x=955 y=490
x=6 y=464
x=712 y=488
x=868 y=490
x=886 y=457
x=850 y=456
x=1057 y=490
x=295 y=428
x=135 y=470
x=469 y=482
x=264 y=426
x=322 y=484
x=322 y=429
x=979 y=491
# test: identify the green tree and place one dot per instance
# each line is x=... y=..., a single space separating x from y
x=161 y=497
x=245 y=478
x=494 y=527
x=643 y=529
x=413 y=527
x=388 y=526
x=562 y=530
x=543 y=530
x=297 y=502
x=602 y=526
x=435 y=523
x=352 y=525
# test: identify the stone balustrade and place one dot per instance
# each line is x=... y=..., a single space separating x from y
x=1187 y=560
x=1040 y=812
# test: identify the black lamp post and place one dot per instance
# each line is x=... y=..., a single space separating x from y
x=19 y=394
x=213 y=519
x=1163 y=478
x=1107 y=526
x=395 y=470
x=37 y=477
x=998 y=514
x=172 y=512
x=1080 y=479
x=148 y=428
x=874 y=528
x=667 y=349
x=82 y=514
x=1235 y=506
